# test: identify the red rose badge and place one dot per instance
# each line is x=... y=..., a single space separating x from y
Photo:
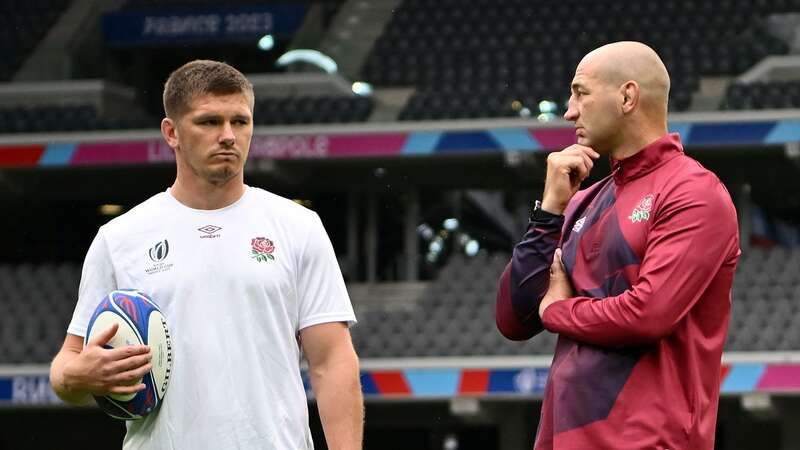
x=262 y=249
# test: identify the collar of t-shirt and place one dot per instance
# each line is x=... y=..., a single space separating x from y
x=233 y=205
x=647 y=159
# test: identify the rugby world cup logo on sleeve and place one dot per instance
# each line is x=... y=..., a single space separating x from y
x=262 y=249
x=641 y=212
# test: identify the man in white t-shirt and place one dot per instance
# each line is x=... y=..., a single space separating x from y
x=246 y=280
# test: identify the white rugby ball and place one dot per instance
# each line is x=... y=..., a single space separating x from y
x=140 y=322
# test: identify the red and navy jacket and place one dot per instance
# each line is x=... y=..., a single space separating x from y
x=651 y=252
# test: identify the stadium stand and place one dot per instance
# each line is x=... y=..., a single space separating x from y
x=39 y=119
x=297 y=108
x=762 y=95
x=35 y=307
x=444 y=59
x=474 y=60
x=22 y=25
x=460 y=303
x=453 y=316
x=324 y=109
x=269 y=111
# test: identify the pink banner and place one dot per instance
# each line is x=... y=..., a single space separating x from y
x=780 y=377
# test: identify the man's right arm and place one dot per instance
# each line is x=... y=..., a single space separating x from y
x=525 y=280
x=78 y=372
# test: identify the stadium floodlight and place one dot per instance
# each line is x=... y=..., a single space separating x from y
x=425 y=231
x=313 y=57
x=362 y=88
x=450 y=224
x=520 y=108
x=472 y=248
x=546 y=106
x=266 y=43
x=436 y=246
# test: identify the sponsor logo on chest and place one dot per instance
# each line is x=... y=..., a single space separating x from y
x=641 y=213
x=579 y=224
x=209 y=231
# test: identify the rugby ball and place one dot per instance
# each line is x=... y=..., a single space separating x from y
x=140 y=322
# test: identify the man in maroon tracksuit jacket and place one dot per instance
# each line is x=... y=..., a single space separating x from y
x=639 y=289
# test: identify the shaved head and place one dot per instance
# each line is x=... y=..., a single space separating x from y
x=620 y=62
x=619 y=98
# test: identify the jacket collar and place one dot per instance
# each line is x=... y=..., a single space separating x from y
x=647 y=159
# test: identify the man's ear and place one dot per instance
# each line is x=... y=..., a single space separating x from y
x=630 y=96
x=170 y=132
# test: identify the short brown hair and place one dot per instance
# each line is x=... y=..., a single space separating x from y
x=201 y=77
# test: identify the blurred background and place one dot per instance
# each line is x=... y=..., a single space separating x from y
x=418 y=130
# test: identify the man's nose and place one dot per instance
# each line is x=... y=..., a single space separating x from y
x=572 y=113
x=227 y=137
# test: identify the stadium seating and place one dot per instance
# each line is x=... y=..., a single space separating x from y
x=766 y=305
x=299 y=110
x=35 y=306
x=474 y=59
x=456 y=314
x=762 y=95
x=269 y=111
x=84 y=117
x=454 y=317
x=22 y=26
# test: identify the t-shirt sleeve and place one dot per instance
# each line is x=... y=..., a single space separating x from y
x=97 y=280
x=322 y=295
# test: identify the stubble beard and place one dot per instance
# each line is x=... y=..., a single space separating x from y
x=220 y=176
x=215 y=176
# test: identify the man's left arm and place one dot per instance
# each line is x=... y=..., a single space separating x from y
x=694 y=235
x=333 y=366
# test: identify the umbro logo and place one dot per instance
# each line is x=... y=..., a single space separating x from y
x=579 y=224
x=210 y=231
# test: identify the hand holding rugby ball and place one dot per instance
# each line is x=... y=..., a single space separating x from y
x=140 y=322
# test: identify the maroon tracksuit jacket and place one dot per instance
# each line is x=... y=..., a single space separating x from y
x=651 y=251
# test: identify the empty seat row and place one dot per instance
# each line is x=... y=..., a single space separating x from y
x=762 y=95
x=269 y=111
x=453 y=317
x=535 y=46
x=299 y=110
x=82 y=117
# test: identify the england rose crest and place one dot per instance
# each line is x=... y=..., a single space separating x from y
x=642 y=210
x=262 y=249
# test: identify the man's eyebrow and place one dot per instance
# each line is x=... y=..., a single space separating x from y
x=207 y=116
x=576 y=85
x=215 y=116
